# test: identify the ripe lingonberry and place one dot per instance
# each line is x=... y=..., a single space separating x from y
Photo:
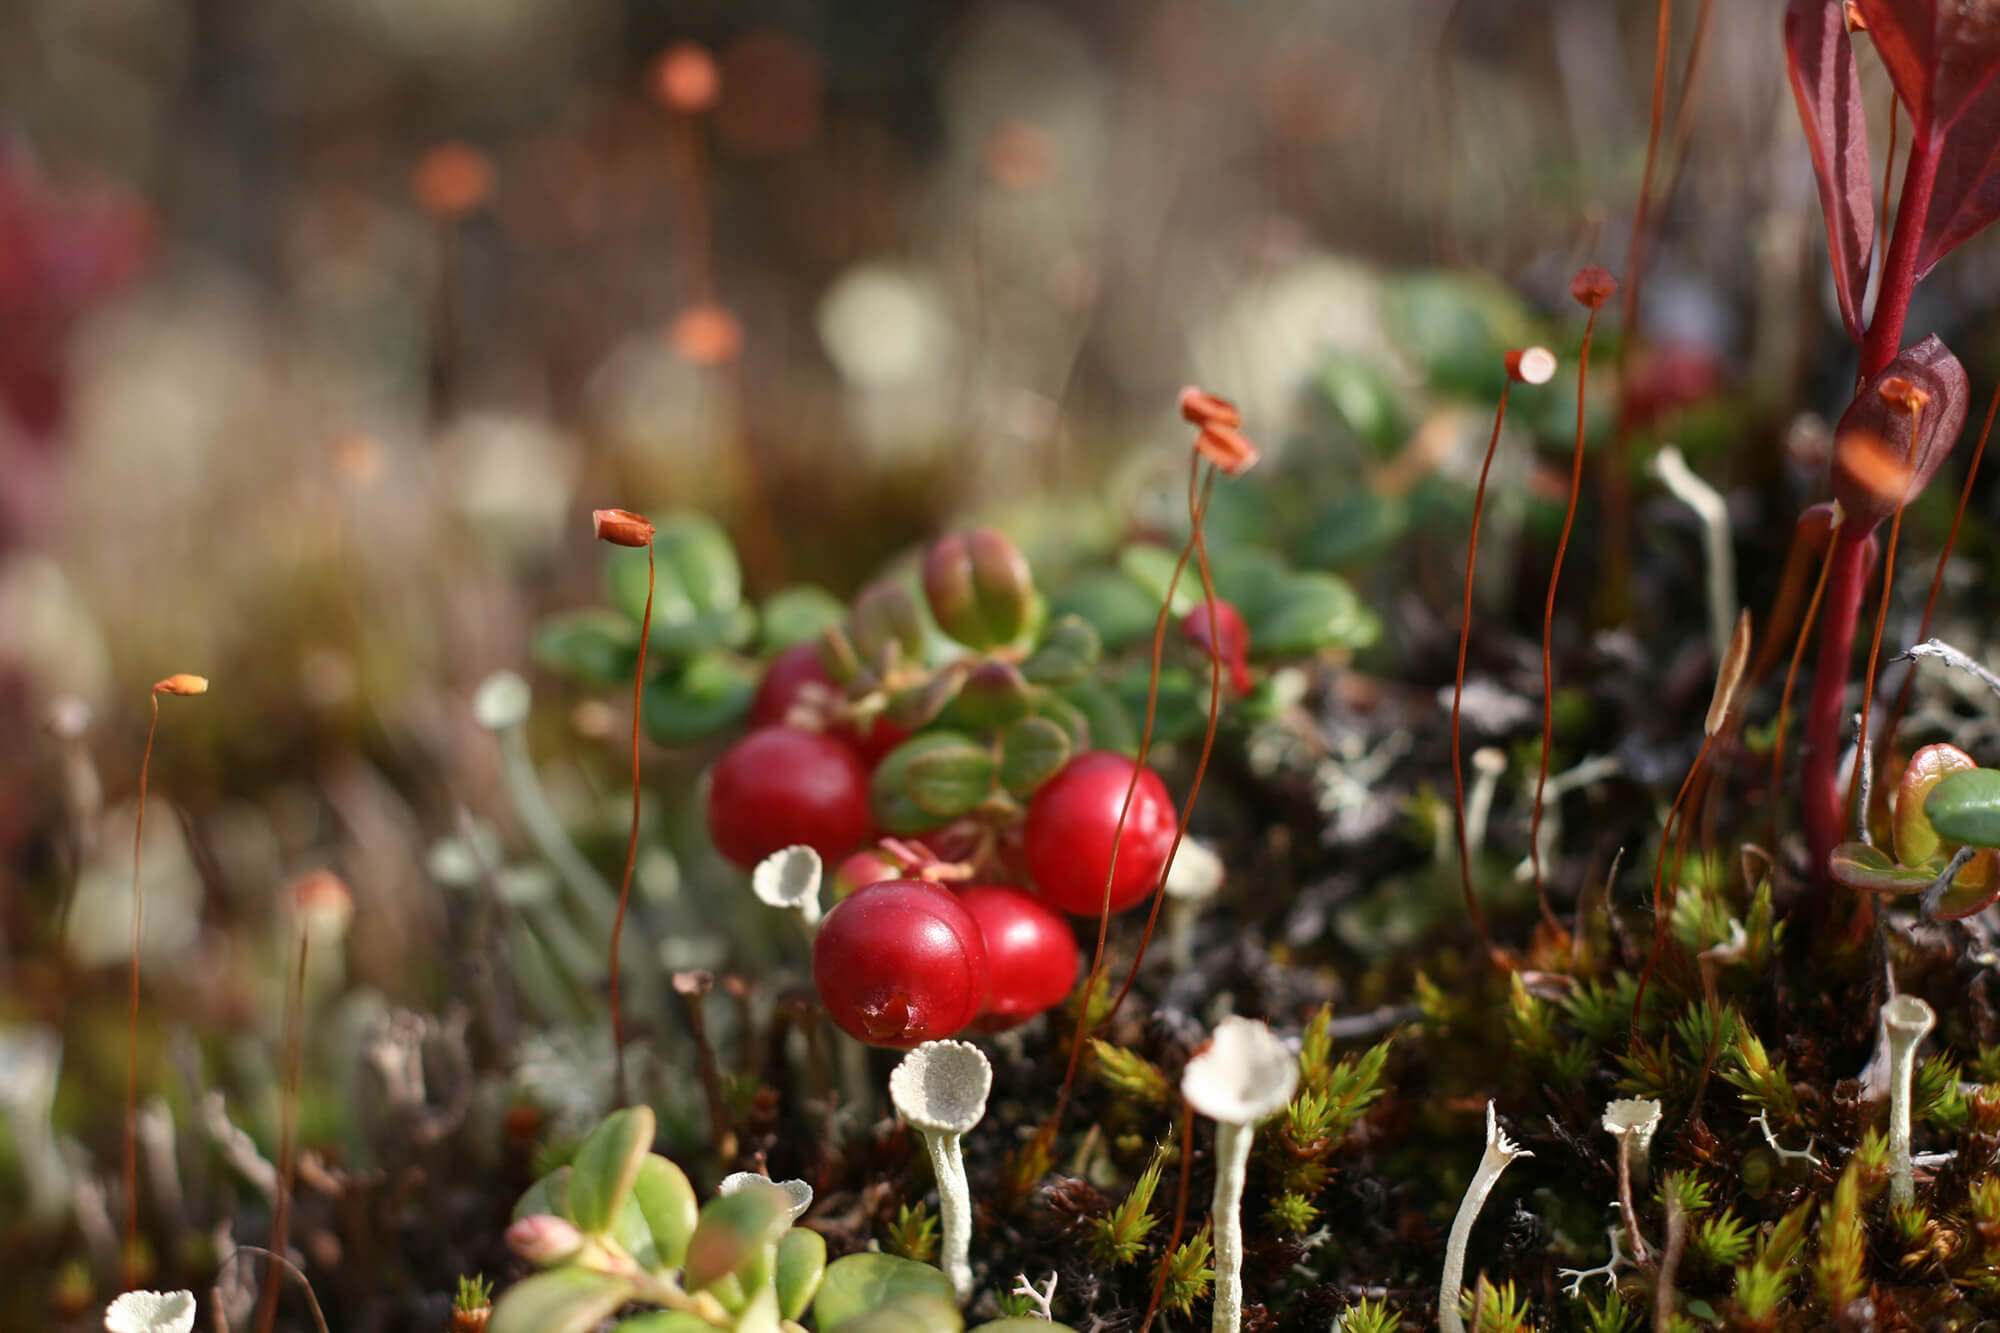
x=1071 y=822
x=799 y=668
x=1030 y=950
x=899 y=963
x=779 y=786
x=1230 y=636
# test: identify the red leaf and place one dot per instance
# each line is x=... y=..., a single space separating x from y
x=1966 y=195
x=1828 y=87
x=1877 y=465
x=1940 y=53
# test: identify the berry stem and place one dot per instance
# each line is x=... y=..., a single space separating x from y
x=632 y=839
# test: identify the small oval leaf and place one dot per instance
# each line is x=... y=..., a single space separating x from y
x=1067 y=653
x=801 y=1268
x=1869 y=869
x=1311 y=611
x=698 y=698
x=605 y=1167
x=595 y=647
x=548 y=1195
x=1964 y=807
x=733 y=1233
x=949 y=781
x=660 y=1215
x=1152 y=568
x=1916 y=841
x=1030 y=753
x=798 y=613
x=563 y=1300
x=860 y=1283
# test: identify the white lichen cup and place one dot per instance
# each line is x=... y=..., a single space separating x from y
x=151 y=1312
x=940 y=1089
x=790 y=878
x=1193 y=880
x=1908 y=1020
x=1244 y=1075
x=1500 y=1150
x=799 y=1194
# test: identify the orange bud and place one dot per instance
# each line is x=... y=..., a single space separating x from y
x=685 y=79
x=1226 y=447
x=182 y=683
x=1898 y=392
x=1531 y=365
x=1592 y=287
x=452 y=180
x=707 y=335
x=1201 y=408
x=621 y=527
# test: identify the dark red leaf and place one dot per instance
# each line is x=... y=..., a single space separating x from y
x=1966 y=195
x=1877 y=466
x=1828 y=87
x=1940 y=53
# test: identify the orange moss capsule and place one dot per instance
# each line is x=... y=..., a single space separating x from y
x=1592 y=287
x=621 y=527
x=1531 y=365
x=1228 y=448
x=452 y=180
x=1201 y=408
x=182 y=683
x=686 y=79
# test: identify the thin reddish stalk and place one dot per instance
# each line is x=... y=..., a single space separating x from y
x=1180 y=1217
x=1944 y=558
x=1663 y=900
x=632 y=839
x=1472 y=908
x=1195 y=512
x=288 y=1151
x=1548 y=632
x=1846 y=578
x=1048 y=1130
x=132 y=1013
x=1874 y=657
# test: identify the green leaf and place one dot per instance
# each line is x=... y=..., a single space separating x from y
x=605 y=1167
x=1030 y=753
x=1964 y=807
x=659 y=1216
x=1253 y=581
x=1023 y=1324
x=1313 y=610
x=860 y=1283
x=919 y=705
x=1355 y=529
x=733 y=1233
x=696 y=699
x=698 y=589
x=1111 y=602
x=894 y=809
x=1182 y=708
x=801 y=1268
x=949 y=781
x=1152 y=568
x=1105 y=723
x=993 y=695
x=1068 y=651
x=911 y=1314
x=548 y=1195
x=563 y=1300
x=1914 y=839
x=1456 y=326
x=1360 y=394
x=1869 y=869
x=796 y=614
x=596 y=647
x=664 y=1321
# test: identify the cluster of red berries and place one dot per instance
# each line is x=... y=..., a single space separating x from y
x=902 y=959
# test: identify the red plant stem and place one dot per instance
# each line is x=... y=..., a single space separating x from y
x=132 y=1015
x=1785 y=698
x=1846 y=579
x=281 y=1212
x=1899 y=268
x=1888 y=166
x=1663 y=899
x=1874 y=657
x=1195 y=512
x=1046 y=1136
x=1944 y=558
x=1548 y=631
x=632 y=839
x=1472 y=908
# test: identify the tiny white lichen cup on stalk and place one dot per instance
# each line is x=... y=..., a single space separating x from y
x=151 y=1312
x=1500 y=1150
x=798 y=1192
x=1908 y=1019
x=790 y=878
x=940 y=1088
x=1632 y=1120
x=1193 y=880
x=1244 y=1075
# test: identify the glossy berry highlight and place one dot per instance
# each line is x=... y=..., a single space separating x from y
x=780 y=786
x=1071 y=827
x=900 y=963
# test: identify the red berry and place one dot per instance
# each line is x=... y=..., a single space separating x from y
x=799 y=668
x=780 y=786
x=1030 y=951
x=870 y=865
x=1231 y=636
x=1068 y=837
x=899 y=963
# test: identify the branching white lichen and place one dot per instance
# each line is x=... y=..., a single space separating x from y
x=1908 y=1020
x=1784 y=1154
x=1608 y=1270
x=940 y=1088
x=1244 y=1075
x=1500 y=1151
x=1044 y=1297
